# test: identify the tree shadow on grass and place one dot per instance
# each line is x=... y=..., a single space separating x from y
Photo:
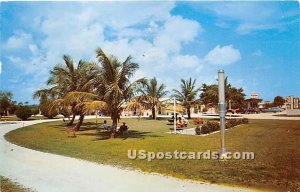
x=105 y=135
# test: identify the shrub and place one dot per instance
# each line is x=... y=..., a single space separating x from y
x=245 y=121
x=209 y=127
x=198 y=130
x=47 y=111
x=23 y=112
x=234 y=122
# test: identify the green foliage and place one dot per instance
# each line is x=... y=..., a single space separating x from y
x=23 y=112
x=151 y=92
x=205 y=109
x=198 y=130
x=5 y=102
x=211 y=126
x=278 y=101
x=209 y=95
x=269 y=105
x=8 y=185
x=187 y=94
x=47 y=110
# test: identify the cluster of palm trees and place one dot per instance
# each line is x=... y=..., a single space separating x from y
x=106 y=86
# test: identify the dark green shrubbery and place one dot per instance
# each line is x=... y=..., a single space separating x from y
x=198 y=130
x=211 y=126
x=23 y=112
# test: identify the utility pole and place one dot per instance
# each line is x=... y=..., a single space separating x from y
x=222 y=109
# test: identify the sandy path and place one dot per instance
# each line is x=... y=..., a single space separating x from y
x=46 y=172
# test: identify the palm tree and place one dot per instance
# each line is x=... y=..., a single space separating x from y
x=46 y=96
x=5 y=102
x=114 y=86
x=151 y=93
x=187 y=94
x=67 y=78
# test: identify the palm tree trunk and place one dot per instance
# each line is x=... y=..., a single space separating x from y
x=72 y=120
x=153 y=113
x=189 y=112
x=79 y=123
x=115 y=119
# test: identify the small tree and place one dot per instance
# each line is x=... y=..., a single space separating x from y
x=278 y=101
x=46 y=109
x=23 y=112
x=151 y=93
x=187 y=94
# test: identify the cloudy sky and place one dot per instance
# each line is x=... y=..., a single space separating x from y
x=256 y=43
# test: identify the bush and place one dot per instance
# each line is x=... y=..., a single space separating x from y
x=245 y=121
x=47 y=111
x=23 y=112
x=205 y=109
x=212 y=126
x=198 y=130
x=209 y=127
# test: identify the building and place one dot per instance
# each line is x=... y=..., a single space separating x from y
x=292 y=105
x=253 y=101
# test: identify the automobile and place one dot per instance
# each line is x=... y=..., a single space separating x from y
x=251 y=110
x=247 y=111
x=272 y=110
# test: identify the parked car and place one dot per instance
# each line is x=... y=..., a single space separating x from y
x=272 y=110
x=252 y=110
x=247 y=111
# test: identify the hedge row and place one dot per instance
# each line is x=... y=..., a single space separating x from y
x=212 y=126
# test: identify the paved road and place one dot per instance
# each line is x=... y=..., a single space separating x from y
x=46 y=172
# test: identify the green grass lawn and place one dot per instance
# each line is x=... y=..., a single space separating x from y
x=7 y=185
x=275 y=143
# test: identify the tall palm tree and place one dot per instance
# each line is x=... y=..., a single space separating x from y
x=66 y=78
x=114 y=87
x=151 y=93
x=187 y=94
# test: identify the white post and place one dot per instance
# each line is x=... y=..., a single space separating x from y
x=175 y=116
x=222 y=109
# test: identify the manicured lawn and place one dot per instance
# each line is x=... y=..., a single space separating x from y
x=275 y=143
x=7 y=185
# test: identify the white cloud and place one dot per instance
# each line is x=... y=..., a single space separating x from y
x=0 y=67
x=150 y=33
x=249 y=16
x=223 y=55
x=18 y=41
x=186 y=61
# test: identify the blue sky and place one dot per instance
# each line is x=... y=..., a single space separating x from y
x=256 y=43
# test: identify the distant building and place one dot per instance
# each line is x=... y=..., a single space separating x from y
x=254 y=96
x=292 y=105
x=253 y=101
x=262 y=105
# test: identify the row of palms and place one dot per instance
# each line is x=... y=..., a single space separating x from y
x=105 y=86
